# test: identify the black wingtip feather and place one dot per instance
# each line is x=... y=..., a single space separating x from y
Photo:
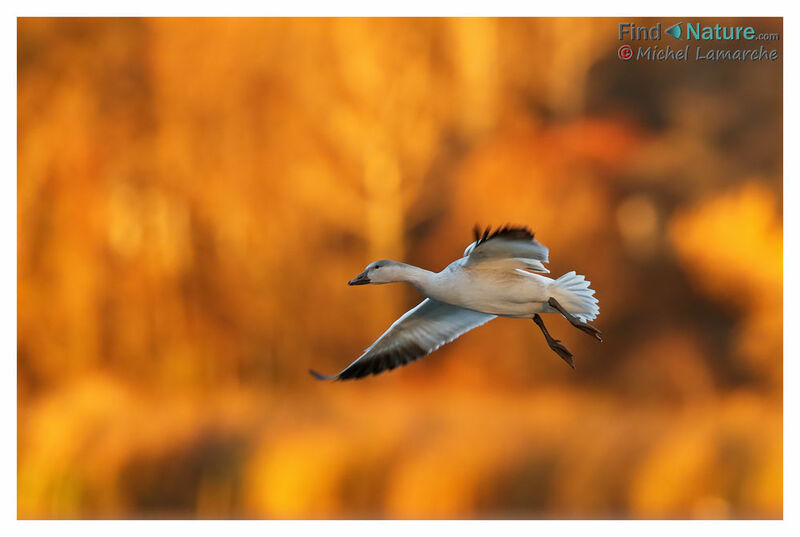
x=388 y=361
x=320 y=376
x=508 y=231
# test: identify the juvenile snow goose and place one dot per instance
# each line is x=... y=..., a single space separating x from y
x=497 y=277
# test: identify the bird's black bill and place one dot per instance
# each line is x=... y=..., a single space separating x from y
x=361 y=279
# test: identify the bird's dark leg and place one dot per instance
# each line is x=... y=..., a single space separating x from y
x=577 y=323
x=554 y=344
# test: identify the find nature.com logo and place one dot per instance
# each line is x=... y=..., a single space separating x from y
x=696 y=31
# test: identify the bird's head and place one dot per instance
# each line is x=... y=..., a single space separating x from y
x=384 y=271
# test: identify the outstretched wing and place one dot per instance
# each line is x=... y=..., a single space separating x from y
x=417 y=333
x=508 y=242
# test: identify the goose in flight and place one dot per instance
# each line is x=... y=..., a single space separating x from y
x=498 y=276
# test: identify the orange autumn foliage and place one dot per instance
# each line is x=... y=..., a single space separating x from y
x=194 y=194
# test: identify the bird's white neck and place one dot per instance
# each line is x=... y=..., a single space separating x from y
x=418 y=277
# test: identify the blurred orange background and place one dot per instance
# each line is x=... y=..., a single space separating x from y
x=194 y=194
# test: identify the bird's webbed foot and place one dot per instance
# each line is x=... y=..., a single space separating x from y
x=574 y=321
x=554 y=344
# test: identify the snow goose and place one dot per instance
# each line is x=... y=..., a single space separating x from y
x=498 y=276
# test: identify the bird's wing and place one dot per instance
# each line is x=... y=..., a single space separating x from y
x=508 y=242
x=417 y=333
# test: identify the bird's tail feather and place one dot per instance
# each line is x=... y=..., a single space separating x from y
x=572 y=291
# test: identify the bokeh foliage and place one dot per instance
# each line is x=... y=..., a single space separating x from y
x=193 y=195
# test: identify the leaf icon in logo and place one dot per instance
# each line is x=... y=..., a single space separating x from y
x=674 y=31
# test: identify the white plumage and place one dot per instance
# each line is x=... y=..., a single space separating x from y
x=498 y=276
